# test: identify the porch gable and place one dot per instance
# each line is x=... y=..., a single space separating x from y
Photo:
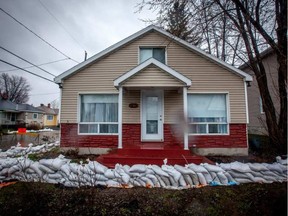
x=152 y=73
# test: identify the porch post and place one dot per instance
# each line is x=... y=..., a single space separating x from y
x=185 y=118
x=120 y=97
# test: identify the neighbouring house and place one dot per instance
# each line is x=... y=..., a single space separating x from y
x=13 y=115
x=153 y=90
x=50 y=117
x=257 y=119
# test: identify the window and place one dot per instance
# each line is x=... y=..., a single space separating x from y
x=49 y=117
x=98 y=114
x=207 y=114
x=157 y=53
x=261 y=106
x=35 y=115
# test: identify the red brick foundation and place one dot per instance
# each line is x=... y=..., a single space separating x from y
x=131 y=136
x=70 y=138
x=236 y=139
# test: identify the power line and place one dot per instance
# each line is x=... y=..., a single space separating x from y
x=27 y=61
x=63 y=27
x=36 y=35
x=44 y=94
x=26 y=71
x=37 y=65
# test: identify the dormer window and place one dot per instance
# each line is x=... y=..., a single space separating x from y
x=156 y=53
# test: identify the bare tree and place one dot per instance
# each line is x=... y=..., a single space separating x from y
x=54 y=104
x=237 y=31
x=14 y=88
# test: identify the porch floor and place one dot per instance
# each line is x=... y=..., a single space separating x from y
x=151 y=153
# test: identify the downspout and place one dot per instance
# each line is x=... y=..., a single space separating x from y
x=185 y=107
x=120 y=97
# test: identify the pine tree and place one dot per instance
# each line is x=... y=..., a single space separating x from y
x=178 y=19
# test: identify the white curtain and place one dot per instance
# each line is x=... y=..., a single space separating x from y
x=207 y=106
x=145 y=53
x=99 y=108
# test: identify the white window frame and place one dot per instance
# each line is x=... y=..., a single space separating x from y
x=50 y=119
x=151 y=47
x=211 y=123
x=33 y=117
x=261 y=106
x=94 y=123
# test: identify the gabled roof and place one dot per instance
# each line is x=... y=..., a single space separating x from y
x=48 y=110
x=267 y=52
x=6 y=105
x=146 y=64
x=138 y=34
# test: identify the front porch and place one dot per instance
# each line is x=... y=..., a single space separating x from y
x=151 y=153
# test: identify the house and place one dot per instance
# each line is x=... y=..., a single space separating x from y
x=153 y=90
x=50 y=117
x=257 y=123
x=24 y=115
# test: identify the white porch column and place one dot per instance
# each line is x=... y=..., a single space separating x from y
x=120 y=98
x=185 y=118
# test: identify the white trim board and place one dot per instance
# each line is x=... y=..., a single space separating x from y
x=147 y=63
x=136 y=35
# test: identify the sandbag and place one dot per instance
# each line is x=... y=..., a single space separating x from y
x=201 y=178
x=109 y=173
x=159 y=171
x=188 y=180
x=139 y=168
x=195 y=179
x=112 y=183
x=243 y=180
x=160 y=180
x=154 y=179
x=54 y=164
x=257 y=167
x=97 y=167
x=183 y=170
x=182 y=182
x=148 y=182
x=172 y=172
x=240 y=167
x=197 y=168
x=222 y=177
x=208 y=177
x=212 y=168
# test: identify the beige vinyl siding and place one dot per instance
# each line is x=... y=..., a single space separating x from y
x=209 y=77
x=152 y=76
x=206 y=76
x=131 y=115
x=173 y=106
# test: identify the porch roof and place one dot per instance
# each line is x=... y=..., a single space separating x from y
x=170 y=74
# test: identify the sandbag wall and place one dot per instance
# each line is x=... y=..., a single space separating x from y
x=91 y=173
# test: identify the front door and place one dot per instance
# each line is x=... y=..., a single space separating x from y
x=152 y=115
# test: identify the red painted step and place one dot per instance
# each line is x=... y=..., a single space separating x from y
x=150 y=156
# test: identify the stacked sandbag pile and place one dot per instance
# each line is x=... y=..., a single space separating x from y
x=18 y=150
x=91 y=173
x=256 y=172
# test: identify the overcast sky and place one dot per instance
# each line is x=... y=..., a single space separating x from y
x=90 y=25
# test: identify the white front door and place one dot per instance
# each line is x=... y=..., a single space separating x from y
x=152 y=115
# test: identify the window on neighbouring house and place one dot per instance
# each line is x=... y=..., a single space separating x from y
x=261 y=105
x=50 y=117
x=157 y=53
x=207 y=114
x=35 y=115
x=98 y=114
